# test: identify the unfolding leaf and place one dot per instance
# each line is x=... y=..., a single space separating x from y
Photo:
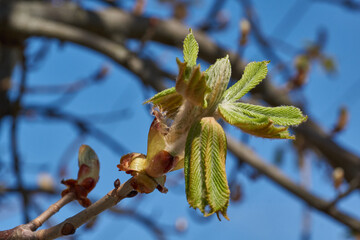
x=283 y=115
x=191 y=50
x=218 y=79
x=255 y=124
x=168 y=101
x=204 y=166
x=254 y=73
x=192 y=87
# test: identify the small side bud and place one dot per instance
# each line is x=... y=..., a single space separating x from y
x=302 y=66
x=181 y=224
x=46 y=182
x=88 y=176
x=68 y=229
x=180 y=11
x=338 y=177
x=236 y=193
x=117 y=183
x=89 y=167
x=245 y=28
x=102 y=73
x=139 y=7
x=342 y=121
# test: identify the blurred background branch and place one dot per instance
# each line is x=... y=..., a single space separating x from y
x=111 y=29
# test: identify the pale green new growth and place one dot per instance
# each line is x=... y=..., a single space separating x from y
x=193 y=104
x=218 y=79
x=168 y=101
x=191 y=84
x=204 y=167
x=283 y=115
x=259 y=125
x=254 y=73
x=194 y=174
x=191 y=50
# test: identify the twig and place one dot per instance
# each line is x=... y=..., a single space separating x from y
x=29 y=191
x=82 y=125
x=353 y=185
x=54 y=208
x=209 y=22
x=16 y=105
x=347 y=4
x=68 y=88
x=70 y=225
x=262 y=40
x=144 y=69
x=246 y=155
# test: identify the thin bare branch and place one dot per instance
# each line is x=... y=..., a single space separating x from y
x=16 y=105
x=54 y=208
x=82 y=125
x=70 y=225
x=246 y=155
x=353 y=185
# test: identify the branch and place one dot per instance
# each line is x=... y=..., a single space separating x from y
x=16 y=106
x=28 y=191
x=32 y=26
x=353 y=185
x=70 y=225
x=246 y=155
x=54 y=208
x=88 y=28
x=8 y=59
x=82 y=125
x=71 y=23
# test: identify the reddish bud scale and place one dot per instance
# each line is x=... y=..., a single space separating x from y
x=85 y=170
x=143 y=183
x=161 y=163
x=126 y=160
x=80 y=191
x=88 y=183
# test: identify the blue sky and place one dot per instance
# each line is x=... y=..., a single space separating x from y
x=267 y=211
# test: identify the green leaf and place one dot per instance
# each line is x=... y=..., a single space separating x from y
x=168 y=101
x=283 y=115
x=191 y=50
x=204 y=165
x=254 y=73
x=218 y=79
x=254 y=123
